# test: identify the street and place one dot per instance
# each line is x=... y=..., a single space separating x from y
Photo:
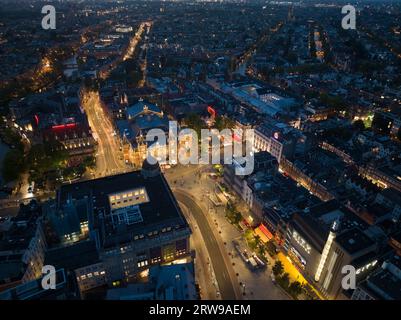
x=109 y=159
x=192 y=187
x=219 y=266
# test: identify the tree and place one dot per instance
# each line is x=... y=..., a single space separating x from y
x=12 y=138
x=333 y=101
x=271 y=248
x=43 y=158
x=380 y=124
x=262 y=250
x=295 y=289
x=278 y=268
x=89 y=162
x=358 y=125
x=232 y=213
x=194 y=121
x=13 y=165
x=284 y=280
x=258 y=241
x=222 y=122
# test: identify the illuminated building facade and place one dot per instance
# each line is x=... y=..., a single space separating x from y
x=135 y=222
x=323 y=240
x=76 y=138
x=140 y=118
x=383 y=284
x=22 y=250
x=277 y=139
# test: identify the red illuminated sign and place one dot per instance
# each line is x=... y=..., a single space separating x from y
x=62 y=126
x=211 y=111
x=237 y=137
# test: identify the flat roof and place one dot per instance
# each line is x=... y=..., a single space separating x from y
x=354 y=240
x=74 y=256
x=385 y=281
x=161 y=210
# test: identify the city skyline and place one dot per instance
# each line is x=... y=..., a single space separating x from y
x=200 y=150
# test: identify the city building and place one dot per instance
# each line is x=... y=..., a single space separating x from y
x=75 y=138
x=323 y=239
x=33 y=290
x=382 y=284
x=135 y=221
x=22 y=248
x=140 y=119
x=172 y=282
x=81 y=263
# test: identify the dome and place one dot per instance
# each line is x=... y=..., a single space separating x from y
x=150 y=167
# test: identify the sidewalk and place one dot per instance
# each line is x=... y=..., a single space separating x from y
x=258 y=283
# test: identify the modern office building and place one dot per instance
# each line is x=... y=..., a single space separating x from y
x=383 y=284
x=173 y=282
x=321 y=241
x=33 y=290
x=22 y=248
x=135 y=221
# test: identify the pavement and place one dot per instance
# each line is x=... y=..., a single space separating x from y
x=256 y=284
x=193 y=181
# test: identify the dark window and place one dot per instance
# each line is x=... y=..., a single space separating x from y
x=181 y=244
x=155 y=252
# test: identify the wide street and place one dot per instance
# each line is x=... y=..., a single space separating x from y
x=192 y=186
x=220 y=268
x=109 y=158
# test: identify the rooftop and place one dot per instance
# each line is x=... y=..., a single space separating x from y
x=354 y=240
x=72 y=257
x=159 y=212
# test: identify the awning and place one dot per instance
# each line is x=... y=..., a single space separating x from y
x=264 y=234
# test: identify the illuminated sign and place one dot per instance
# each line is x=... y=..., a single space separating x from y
x=62 y=126
x=301 y=242
x=298 y=256
x=366 y=267
x=211 y=111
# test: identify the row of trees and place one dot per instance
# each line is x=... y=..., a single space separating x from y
x=294 y=288
x=232 y=214
x=43 y=158
x=333 y=101
x=13 y=163
x=195 y=122
x=44 y=162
